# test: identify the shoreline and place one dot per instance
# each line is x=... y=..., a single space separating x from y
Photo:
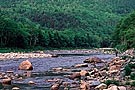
x=53 y=53
x=8 y=56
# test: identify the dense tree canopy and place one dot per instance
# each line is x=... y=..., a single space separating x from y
x=124 y=35
x=60 y=23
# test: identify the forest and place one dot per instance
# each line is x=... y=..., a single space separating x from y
x=124 y=34
x=67 y=23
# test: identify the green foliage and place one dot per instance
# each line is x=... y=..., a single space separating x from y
x=127 y=70
x=132 y=76
x=124 y=34
x=133 y=83
x=127 y=83
x=61 y=23
x=132 y=65
x=108 y=82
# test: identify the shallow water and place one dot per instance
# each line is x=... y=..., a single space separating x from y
x=42 y=69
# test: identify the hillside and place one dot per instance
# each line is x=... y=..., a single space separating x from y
x=124 y=34
x=61 y=23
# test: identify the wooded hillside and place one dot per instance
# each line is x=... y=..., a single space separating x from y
x=60 y=23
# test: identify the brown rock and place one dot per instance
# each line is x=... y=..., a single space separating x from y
x=117 y=61
x=93 y=60
x=84 y=85
x=84 y=73
x=114 y=67
x=26 y=65
x=6 y=81
x=101 y=86
x=55 y=87
x=65 y=84
x=75 y=75
x=129 y=52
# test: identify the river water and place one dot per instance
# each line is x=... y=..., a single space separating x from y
x=42 y=69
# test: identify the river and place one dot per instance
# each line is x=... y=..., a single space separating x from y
x=42 y=69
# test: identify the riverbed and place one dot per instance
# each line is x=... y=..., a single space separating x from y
x=43 y=69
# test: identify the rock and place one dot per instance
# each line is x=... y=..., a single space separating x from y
x=95 y=82
x=81 y=65
x=114 y=68
x=26 y=65
x=122 y=88
x=84 y=85
x=129 y=52
x=93 y=60
x=10 y=71
x=55 y=87
x=66 y=84
x=20 y=78
x=15 y=88
x=104 y=73
x=6 y=81
x=75 y=75
x=112 y=88
x=31 y=82
x=54 y=55
x=117 y=61
x=101 y=86
x=84 y=73
x=57 y=69
x=53 y=80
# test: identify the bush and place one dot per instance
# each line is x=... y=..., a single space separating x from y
x=108 y=82
x=127 y=83
x=132 y=76
x=132 y=65
x=127 y=70
x=133 y=83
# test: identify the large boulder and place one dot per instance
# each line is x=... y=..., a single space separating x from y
x=94 y=60
x=25 y=65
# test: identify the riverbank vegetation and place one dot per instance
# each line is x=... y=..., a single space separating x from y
x=60 y=24
x=124 y=35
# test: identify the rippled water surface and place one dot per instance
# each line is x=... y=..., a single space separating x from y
x=41 y=68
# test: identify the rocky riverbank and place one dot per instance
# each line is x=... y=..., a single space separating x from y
x=6 y=56
x=94 y=74
x=111 y=76
x=53 y=53
x=83 y=51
